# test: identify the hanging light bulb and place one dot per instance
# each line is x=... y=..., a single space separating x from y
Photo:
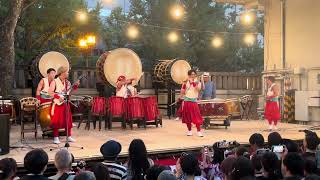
x=173 y=37
x=249 y=39
x=132 y=32
x=217 y=42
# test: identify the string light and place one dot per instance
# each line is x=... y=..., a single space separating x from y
x=173 y=37
x=177 y=12
x=91 y=39
x=83 y=43
x=217 y=42
x=132 y=32
x=249 y=39
x=247 y=18
x=82 y=16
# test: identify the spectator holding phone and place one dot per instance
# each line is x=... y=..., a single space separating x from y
x=188 y=168
x=256 y=141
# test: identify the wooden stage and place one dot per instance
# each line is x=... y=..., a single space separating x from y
x=171 y=137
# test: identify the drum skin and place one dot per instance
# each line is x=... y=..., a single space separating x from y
x=233 y=106
x=44 y=115
x=134 y=107
x=121 y=61
x=171 y=70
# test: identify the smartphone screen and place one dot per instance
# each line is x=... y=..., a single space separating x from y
x=278 y=149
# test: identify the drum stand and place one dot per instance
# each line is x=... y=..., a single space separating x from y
x=66 y=115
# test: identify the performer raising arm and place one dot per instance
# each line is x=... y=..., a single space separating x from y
x=272 y=110
x=125 y=88
x=190 y=110
x=60 y=113
x=43 y=86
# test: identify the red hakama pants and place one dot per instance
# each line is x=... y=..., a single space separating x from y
x=272 y=112
x=60 y=118
x=191 y=114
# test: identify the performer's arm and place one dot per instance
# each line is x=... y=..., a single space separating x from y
x=76 y=85
x=52 y=93
x=39 y=88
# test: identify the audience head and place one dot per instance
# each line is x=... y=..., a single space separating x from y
x=36 y=161
x=293 y=165
x=63 y=160
x=256 y=162
x=154 y=171
x=256 y=141
x=310 y=167
x=270 y=165
x=242 y=151
x=85 y=175
x=101 y=171
x=110 y=150
x=8 y=168
x=274 y=139
x=166 y=175
x=290 y=145
x=138 y=158
x=189 y=164
x=311 y=141
x=227 y=167
x=218 y=154
x=242 y=168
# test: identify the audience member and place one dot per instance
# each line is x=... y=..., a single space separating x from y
x=138 y=162
x=256 y=142
x=63 y=162
x=256 y=163
x=154 y=171
x=8 y=168
x=188 y=167
x=274 y=139
x=166 y=175
x=101 y=172
x=242 y=168
x=310 y=144
x=110 y=151
x=293 y=166
x=227 y=167
x=291 y=146
x=35 y=162
x=242 y=151
x=85 y=175
x=270 y=166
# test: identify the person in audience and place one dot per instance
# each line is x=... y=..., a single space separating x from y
x=35 y=162
x=310 y=144
x=242 y=151
x=188 y=167
x=291 y=146
x=8 y=168
x=293 y=166
x=154 y=172
x=242 y=168
x=85 y=175
x=270 y=166
x=138 y=162
x=63 y=162
x=256 y=141
x=110 y=151
x=310 y=167
x=101 y=172
x=166 y=175
x=274 y=139
x=256 y=163
x=227 y=167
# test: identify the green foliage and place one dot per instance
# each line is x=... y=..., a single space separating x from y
x=195 y=46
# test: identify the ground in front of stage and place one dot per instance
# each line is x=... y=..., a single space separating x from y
x=172 y=136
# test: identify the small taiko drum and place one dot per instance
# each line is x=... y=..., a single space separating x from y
x=51 y=59
x=99 y=106
x=117 y=106
x=150 y=107
x=44 y=115
x=7 y=107
x=210 y=108
x=77 y=106
x=134 y=107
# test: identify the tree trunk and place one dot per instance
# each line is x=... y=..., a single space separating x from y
x=7 y=54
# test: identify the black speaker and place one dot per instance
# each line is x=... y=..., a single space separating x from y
x=4 y=134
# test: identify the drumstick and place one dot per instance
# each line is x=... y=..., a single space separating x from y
x=174 y=103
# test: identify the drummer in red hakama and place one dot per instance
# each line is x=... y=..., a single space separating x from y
x=125 y=88
x=190 y=109
x=272 y=110
x=61 y=116
x=43 y=87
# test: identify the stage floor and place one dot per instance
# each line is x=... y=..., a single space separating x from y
x=172 y=136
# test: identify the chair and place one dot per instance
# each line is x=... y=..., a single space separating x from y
x=29 y=113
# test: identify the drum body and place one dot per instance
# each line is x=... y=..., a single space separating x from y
x=117 y=106
x=213 y=108
x=44 y=115
x=171 y=71
x=51 y=59
x=134 y=108
x=121 y=61
x=99 y=106
x=7 y=107
x=150 y=107
x=233 y=107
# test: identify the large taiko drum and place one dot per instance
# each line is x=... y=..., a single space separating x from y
x=44 y=115
x=117 y=106
x=233 y=107
x=51 y=59
x=121 y=61
x=171 y=70
x=134 y=108
x=150 y=107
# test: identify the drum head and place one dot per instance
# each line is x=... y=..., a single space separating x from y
x=53 y=60
x=122 y=61
x=179 y=71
